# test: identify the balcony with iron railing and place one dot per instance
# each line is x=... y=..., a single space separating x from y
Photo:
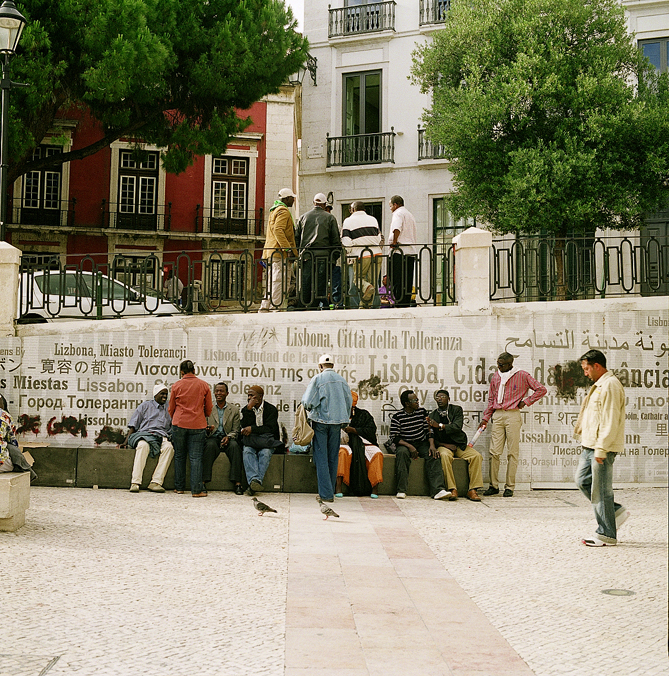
x=433 y=11
x=427 y=150
x=159 y=218
x=58 y=213
x=213 y=220
x=361 y=149
x=373 y=17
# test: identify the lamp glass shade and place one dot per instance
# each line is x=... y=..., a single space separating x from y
x=11 y=27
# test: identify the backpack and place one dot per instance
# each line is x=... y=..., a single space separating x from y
x=302 y=432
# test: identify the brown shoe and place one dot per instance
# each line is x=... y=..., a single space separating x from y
x=473 y=495
x=200 y=495
x=454 y=494
x=179 y=492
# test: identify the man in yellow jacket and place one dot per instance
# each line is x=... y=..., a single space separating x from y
x=279 y=248
x=601 y=426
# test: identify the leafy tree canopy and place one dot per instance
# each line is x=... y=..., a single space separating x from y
x=537 y=105
x=168 y=72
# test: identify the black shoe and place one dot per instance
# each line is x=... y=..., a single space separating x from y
x=249 y=492
x=508 y=493
x=492 y=491
x=239 y=490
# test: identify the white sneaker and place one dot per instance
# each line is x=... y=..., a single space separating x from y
x=401 y=496
x=134 y=488
x=594 y=541
x=621 y=516
x=442 y=494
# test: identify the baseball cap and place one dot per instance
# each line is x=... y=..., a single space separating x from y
x=325 y=359
x=320 y=198
x=286 y=192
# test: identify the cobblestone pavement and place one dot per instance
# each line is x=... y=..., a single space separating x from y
x=108 y=582
x=520 y=559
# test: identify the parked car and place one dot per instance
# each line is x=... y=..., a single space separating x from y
x=48 y=295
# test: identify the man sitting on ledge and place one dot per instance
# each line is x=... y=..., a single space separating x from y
x=149 y=433
x=408 y=430
x=448 y=439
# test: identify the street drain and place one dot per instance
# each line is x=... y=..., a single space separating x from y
x=618 y=592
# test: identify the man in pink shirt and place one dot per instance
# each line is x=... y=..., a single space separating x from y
x=506 y=398
x=190 y=405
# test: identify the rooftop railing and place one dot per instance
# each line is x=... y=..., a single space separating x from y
x=372 y=17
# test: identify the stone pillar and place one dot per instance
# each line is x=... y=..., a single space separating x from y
x=472 y=270
x=10 y=259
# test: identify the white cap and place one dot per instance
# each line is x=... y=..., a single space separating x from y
x=159 y=387
x=326 y=359
x=320 y=198
x=286 y=192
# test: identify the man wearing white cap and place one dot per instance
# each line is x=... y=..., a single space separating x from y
x=328 y=402
x=319 y=242
x=149 y=433
x=279 y=248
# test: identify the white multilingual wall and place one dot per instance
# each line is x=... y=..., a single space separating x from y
x=97 y=372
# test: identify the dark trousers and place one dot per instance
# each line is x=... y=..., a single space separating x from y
x=314 y=279
x=188 y=443
x=212 y=449
x=433 y=471
x=401 y=278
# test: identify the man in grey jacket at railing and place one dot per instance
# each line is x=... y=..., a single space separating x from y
x=319 y=242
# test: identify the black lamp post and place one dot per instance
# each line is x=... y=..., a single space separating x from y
x=12 y=23
x=311 y=66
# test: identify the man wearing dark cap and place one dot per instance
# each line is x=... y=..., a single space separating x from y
x=319 y=242
x=190 y=405
x=149 y=433
x=260 y=437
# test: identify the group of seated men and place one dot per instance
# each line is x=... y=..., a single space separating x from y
x=248 y=437
x=251 y=435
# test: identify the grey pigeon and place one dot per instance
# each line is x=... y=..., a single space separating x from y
x=328 y=511
x=262 y=507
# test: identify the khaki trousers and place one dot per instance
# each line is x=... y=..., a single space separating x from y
x=505 y=429
x=164 y=460
x=473 y=458
x=278 y=268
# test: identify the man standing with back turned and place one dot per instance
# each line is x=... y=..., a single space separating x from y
x=328 y=402
x=601 y=426
x=508 y=387
x=404 y=251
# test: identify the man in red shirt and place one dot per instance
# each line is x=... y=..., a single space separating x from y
x=506 y=398
x=190 y=405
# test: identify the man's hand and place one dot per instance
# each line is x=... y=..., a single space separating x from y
x=521 y=404
x=434 y=453
x=600 y=461
x=412 y=450
x=350 y=430
x=225 y=441
x=210 y=429
x=483 y=425
x=432 y=423
x=246 y=431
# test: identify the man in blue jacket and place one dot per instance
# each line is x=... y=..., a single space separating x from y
x=328 y=402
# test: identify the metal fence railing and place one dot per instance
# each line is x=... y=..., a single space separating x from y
x=102 y=286
x=433 y=11
x=427 y=150
x=371 y=17
x=548 y=268
x=359 y=149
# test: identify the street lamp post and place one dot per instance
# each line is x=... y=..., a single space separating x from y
x=12 y=23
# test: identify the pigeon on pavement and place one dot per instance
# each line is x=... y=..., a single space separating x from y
x=262 y=507
x=328 y=511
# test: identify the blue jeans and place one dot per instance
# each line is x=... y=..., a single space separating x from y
x=327 y=439
x=596 y=482
x=256 y=462
x=188 y=443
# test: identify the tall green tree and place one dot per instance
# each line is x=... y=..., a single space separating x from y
x=168 y=72
x=550 y=115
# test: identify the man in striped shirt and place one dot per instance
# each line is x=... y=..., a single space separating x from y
x=506 y=398
x=408 y=430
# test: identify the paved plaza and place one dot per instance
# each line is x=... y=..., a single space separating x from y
x=108 y=582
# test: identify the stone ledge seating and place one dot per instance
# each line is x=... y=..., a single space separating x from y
x=112 y=467
x=14 y=499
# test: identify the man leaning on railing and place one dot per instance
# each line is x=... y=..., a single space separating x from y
x=279 y=248
x=362 y=238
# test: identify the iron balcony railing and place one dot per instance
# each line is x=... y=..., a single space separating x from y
x=58 y=213
x=372 y=17
x=216 y=221
x=427 y=150
x=433 y=11
x=346 y=151
x=548 y=268
x=144 y=218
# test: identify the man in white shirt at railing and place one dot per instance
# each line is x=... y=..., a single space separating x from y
x=403 y=256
